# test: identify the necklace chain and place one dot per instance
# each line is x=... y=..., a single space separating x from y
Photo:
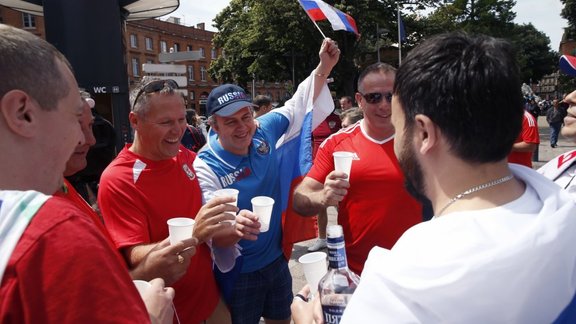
x=475 y=189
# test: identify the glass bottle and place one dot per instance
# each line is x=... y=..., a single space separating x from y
x=338 y=285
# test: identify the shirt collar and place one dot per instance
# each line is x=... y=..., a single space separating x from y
x=230 y=159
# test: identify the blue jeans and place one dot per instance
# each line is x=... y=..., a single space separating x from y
x=554 y=131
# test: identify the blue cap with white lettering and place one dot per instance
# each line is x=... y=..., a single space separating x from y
x=226 y=100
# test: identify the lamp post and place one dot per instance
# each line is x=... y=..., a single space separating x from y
x=399 y=33
x=379 y=33
x=253 y=86
x=399 y=22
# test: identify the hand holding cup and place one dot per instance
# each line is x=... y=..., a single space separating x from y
x=247 y=225
x=228 y=192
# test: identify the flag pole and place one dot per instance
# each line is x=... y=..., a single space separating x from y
x=399 y=35
x=315 y=24
x=320 y=30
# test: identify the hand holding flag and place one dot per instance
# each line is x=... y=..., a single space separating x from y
x=318 y=10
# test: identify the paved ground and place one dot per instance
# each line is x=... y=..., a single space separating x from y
x=545 y=154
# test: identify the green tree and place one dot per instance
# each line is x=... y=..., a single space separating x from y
x=267 y=39
x=263 y=38
x=495 y=18
x=569 y=13
x=490 y=17
x=533 y=52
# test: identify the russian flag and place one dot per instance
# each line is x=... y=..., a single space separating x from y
x=568 y=64
x=294 y=153
x=318 y=10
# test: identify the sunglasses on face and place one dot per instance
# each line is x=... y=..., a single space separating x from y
x=376 y=97
x=155 y=86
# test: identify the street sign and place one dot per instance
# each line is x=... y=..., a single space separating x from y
x=181 y=80
x=164 y=68
x=180 y=56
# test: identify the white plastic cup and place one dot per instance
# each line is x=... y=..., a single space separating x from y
x=180 y=229
x=228 y=192
x=262 y=206
x=142 y=286
x=343 y=162
x=314 y=267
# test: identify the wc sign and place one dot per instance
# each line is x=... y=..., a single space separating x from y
x=100 y=89
x=104 y=89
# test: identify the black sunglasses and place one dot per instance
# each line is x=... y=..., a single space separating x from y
x=376 y=97
x=155 y=86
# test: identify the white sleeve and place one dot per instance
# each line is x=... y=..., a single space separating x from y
x=296 y=108
x=223 y=257
x=207 y=178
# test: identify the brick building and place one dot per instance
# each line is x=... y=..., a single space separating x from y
x=29 y=22
x=146 y=39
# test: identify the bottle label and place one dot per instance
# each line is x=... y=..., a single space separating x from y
x=336 y=253
x=332 y=314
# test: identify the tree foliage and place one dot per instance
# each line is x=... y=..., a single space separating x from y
x=569 y=13
x=495 y=18
x=533 y=52
x=267 y=39
x=263 y=37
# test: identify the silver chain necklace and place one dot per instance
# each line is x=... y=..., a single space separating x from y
x=473 y=190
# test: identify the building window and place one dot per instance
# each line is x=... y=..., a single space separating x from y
x=28 y=20
x=176 y=47
x=149 y=44
x=133 y=41
x=203 y=73
x=163 y=47
x=135 y=67
x=213 y=52
x=190 y=72
x=202 y=52
x=188 y=48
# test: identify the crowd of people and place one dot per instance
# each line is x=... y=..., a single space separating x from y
x=430 y=135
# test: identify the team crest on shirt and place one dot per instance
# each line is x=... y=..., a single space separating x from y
x=188 y=172
x=263 y=148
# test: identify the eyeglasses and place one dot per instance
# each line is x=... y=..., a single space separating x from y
x=376 y=97
x=155 y=86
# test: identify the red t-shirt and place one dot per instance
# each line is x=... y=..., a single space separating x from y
x=377 y=209
x=529 y=134
x=63 y=271
x=69 y=193
x=329 y=126
x=137 y=196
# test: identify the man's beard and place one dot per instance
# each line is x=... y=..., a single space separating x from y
x=413 y=175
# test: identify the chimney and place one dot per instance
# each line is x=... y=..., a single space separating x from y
x=200 y=26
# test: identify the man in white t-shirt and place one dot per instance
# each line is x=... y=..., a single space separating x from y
x=500 y=248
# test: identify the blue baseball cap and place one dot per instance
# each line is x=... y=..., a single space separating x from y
x=226 y=100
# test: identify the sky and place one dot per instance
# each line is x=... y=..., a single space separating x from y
x=543 y=14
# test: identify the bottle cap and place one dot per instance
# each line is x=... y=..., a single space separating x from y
x=334 y=231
